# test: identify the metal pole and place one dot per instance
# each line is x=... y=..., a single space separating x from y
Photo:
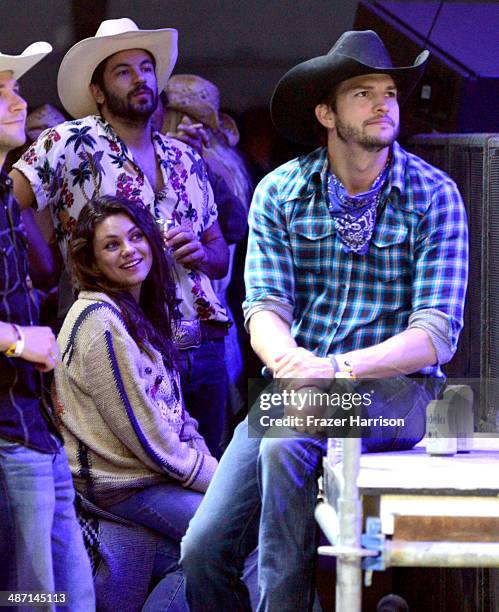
x=348 y=568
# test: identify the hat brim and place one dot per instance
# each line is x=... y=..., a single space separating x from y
x=229 y=129
x=79 y=63
x=199 y=111
x=303 y=87
x=20 y=64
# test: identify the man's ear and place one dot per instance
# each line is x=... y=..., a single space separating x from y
x=97 y=93
x=325 y=116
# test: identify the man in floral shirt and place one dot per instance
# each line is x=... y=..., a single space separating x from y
x=110 y=83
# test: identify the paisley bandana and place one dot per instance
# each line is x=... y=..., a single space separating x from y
x=354 y=217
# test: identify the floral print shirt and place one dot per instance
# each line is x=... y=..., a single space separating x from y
x=70 y=164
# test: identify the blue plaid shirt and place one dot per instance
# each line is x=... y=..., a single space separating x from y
x=340 y=301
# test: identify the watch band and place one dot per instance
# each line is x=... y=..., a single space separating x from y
x=345 y=371
x=334 y=364
x=17 y=347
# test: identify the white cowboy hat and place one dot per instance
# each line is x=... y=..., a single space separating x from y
x=19 y=64
x=113 y=35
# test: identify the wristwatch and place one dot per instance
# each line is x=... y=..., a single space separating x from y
x=341 y=368
x=17 y=347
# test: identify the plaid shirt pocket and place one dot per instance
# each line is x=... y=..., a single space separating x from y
x=389 y=256
x=385 y=272
x=311 y=244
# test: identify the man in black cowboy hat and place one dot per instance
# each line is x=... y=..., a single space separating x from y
x=356 y=268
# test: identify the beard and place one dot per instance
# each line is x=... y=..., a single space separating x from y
x=352 y=134
x=125 y=108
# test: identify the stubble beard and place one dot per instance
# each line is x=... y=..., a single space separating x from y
x=134 y=112
x=348 y=133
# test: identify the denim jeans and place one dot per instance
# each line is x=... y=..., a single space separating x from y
x=41 y=545
x=166 y=508
x=264 y=493
x=204 y=382
x=168 y=594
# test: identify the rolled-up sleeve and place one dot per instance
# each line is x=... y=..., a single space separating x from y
x=441 y=256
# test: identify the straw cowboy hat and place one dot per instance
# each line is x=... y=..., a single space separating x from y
x=306 y=85
x=200 y=98
x=19 y=64
x=113 y=35
x=41 y=118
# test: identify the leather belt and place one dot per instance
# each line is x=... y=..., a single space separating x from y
x=190 y=334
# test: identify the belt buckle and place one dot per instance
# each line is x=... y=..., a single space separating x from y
x=187 y=334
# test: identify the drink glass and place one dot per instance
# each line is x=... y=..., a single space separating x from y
x=165 y=225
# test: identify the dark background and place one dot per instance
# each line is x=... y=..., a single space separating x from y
x=243 y=46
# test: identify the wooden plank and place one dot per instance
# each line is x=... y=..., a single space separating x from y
x=446 y=529
x=394 y=506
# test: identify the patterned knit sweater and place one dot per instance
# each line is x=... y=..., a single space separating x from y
x=123 y=418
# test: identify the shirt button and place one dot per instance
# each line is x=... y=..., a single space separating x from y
x=8 y=182
x=148 y=370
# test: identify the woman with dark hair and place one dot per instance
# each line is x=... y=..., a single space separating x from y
x=132 y=447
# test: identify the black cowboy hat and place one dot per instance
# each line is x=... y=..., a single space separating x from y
x=307 y=84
